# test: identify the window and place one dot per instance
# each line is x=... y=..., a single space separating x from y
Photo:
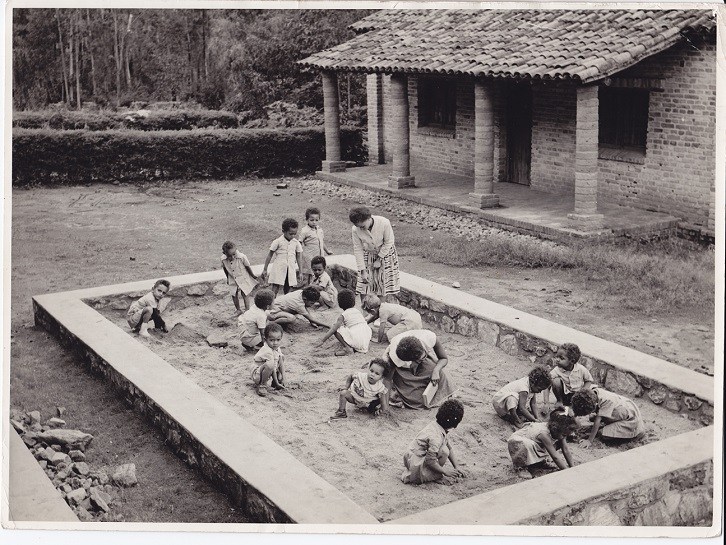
x=437 y=103
x=623 y=119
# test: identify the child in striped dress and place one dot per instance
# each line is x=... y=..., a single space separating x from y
x=240 y=278
x=313 y=244
x=613 y=416
x=286 y=259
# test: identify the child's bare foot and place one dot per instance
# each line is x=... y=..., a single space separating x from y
x=279 y=386
x=344 y=352
x=262 y=390
x=523 y=473
x=339 y=414
x=144 y=333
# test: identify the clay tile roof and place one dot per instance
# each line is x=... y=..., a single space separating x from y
x=580 y=45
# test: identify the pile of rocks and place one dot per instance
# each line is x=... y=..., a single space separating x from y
x=61 y=454
x=437 y=219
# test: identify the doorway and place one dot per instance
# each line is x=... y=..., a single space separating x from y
x=519 y=133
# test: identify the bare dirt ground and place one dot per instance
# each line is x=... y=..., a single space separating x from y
x=364 y=449
x=71 y=237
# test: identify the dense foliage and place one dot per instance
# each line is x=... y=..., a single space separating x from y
x=48 y=156
x=155 y=120
x=239 y=60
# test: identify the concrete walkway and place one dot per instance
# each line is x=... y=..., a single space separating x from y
x=522 y=209
x=32 y=496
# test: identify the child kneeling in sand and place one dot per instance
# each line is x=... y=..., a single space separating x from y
x=285 y=309
x=613 y=416
x=350 y=328
x=568 y=376
x=365 y=390
x=321 y=280
x=531 y=444
x=428 y=453
x=517 y=398
x=269 y=362
x=252 y=323
x=399 y=317
x=147 y=308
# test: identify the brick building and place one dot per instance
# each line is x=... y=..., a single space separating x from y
x=613 y=106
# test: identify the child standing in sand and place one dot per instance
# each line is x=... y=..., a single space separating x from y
x=269 y=362
x=613 y=416
x=532 y=443
x=147 y=308
x=321 y=280
x=286 y=257
x=365 y=390
x=311 y=239
x=285 y=309
x=516 y=400
x=253 y=322
x=427 y=455
x=350 y=328
x=401 y=318
x=240 y=278
x=568 y=376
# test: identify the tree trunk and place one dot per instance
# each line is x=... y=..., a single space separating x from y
x=89 y=46
x=348 y=96
x=127 y=52
x=63 y=57
x=117 y=58
x=78 y=65
x=71 y=59
x=205 y=20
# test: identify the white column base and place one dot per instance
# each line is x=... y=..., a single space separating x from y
x=333 y=166
x=485 y=200
x=401 y=181
x=590 y=221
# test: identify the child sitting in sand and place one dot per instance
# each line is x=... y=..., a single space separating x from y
x=313 y=245
x=252 y=323
x=428 y=453
x=147 y=308
x=240 y=278
x=517 y=398
x=400 y=317
x=350 y=328
x=321 y=280
x=285 y=309
x=286 y=257
x=532 y=443
x=269 y=362
x=613 y=416
x=365 y=390
x=568 y=376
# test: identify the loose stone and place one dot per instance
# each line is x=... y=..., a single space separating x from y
x=125 y=475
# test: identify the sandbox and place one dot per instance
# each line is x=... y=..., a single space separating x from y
x=283 y=461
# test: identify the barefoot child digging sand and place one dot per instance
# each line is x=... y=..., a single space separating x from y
x=427 y=455
x=401 y=318
x=517 y=400
x=147 y=308
x=350 y=328
x=613 y=416
x=240 y=278
x=269 y=362
x=285 y=309
x=532 y=443
x=365 y=390
x=253 y=322
x=286 y=258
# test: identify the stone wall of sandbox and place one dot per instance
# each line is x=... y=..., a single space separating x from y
x=681 y=498
x=537 y=350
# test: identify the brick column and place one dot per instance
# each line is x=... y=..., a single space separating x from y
x=483 y=194
x=331 y=108
x=401 y=174
x=374 y=95
x=586 y=149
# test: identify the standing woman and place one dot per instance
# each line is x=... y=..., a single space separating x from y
x=375 y=255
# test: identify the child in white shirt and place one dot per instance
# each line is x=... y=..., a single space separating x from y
x=350 y=328
x=146 y=308
x=269 y=362
x=365 y=390
x=253 y=322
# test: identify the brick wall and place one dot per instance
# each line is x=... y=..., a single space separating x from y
x=677 y=176
x=553 y=139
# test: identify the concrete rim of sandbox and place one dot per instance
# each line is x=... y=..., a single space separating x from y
x=149 y=376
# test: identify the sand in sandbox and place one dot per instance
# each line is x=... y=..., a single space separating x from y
x=363 y=455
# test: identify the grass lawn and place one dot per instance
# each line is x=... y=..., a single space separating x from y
x=657 y=298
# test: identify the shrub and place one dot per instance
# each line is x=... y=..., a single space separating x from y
x=148 y=120
x=42 y=156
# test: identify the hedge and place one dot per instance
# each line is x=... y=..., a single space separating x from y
x=156 y=120
x=43 y=156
